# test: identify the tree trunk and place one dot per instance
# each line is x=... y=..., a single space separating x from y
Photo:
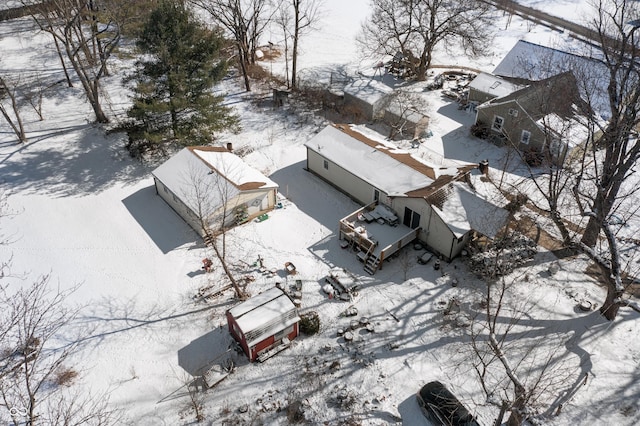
x=225 y=267
x=296 y=34
x=516 y=417
x=243 y=68
x=62 y=61
x=591 y=232
x=610 y=308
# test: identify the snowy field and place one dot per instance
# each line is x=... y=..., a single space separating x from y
x=85 y=213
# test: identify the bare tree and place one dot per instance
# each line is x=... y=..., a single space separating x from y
x=597 y=175
x=402 y=114
x=414 y=28
x=215 y=200
x=245 y=20
x=305 y=15
x=11 y=112
x=34 y=371
x=516 y=373
x=87 y=35
x=618 y=36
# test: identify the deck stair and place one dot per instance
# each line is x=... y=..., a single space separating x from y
x=371 y=264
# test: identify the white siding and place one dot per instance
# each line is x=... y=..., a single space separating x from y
x=435 y=233
x=345 y=181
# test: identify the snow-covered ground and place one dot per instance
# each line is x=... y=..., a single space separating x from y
x=86 y=213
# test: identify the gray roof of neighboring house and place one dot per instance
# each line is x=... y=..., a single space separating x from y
x=533 y=62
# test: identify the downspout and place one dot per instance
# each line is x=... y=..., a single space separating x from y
x=453 y=240
x=429 y=221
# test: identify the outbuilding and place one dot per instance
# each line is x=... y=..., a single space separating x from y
x=264 y=323
x=214 y=188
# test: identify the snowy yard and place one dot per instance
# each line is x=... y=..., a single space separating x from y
x=82 y=211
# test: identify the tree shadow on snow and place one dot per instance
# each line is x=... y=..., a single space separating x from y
x=93 y=163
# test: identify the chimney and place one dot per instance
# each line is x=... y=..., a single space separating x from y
x=229 y=147
x=483 y=166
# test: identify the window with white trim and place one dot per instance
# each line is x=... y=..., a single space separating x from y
x=498 y=122
x=526 y=137
x=513 y=112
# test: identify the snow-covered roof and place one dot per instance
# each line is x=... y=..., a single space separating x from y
x=464 y=210
x=368 y=90
x=264 y=314
x=411 y=114
x=569 y=130
x=217 y=170
x=534 y=62
x=493 y=85
x=377 y=162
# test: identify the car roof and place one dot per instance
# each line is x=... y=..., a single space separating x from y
x=437 y=394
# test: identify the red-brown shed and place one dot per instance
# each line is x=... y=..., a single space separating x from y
x=263 y=322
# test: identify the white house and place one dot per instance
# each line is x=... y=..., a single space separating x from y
x=212 y=186
x=437 y=205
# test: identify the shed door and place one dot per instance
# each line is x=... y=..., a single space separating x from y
x=411 y=218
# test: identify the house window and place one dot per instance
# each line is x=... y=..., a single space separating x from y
x=497 y=123
x=526 y=137
x=376 y=195
x=411 y=218
x=513 y=112
x=326 y=165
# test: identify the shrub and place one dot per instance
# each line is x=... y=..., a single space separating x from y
x=65 y=376
x=310 y=323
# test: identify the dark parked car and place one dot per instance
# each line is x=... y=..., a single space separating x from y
x=441 y=407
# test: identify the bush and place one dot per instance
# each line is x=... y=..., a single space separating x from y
x=480 y=130
x=310 y=323
x=65 y=376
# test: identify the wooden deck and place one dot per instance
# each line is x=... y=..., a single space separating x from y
x=374 y=233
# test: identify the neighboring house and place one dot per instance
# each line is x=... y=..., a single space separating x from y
x=405 y=119
x=212 y=186
x=373 y=100
x=404 y=198
x=527 y=62
x=264 y=323
x=540 y=119
x=485 y=87
x=367 y=97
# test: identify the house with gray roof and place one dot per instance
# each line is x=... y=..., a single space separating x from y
x=544 y=120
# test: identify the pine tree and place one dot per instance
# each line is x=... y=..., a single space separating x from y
x=173 y=101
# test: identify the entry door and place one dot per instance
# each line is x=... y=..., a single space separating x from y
x=411 y=218
x=376 y=195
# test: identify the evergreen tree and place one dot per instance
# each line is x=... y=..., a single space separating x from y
x=173 y=101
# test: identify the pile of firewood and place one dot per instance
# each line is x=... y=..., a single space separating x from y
x=502 y=256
